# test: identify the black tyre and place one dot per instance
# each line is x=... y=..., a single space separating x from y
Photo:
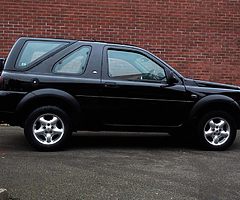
x=47 y=128
x=216 y=130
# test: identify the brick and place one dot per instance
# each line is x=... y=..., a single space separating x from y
x=198 y=38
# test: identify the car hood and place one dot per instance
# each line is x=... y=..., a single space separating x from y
x=215 y=85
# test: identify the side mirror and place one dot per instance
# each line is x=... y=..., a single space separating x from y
x=171 y=79
x=2 y=61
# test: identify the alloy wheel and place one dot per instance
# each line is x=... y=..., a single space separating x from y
x=217 y=131
x=48 y=129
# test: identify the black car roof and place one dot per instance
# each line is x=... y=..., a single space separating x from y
x=72 y=41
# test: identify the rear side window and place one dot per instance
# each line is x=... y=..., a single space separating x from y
x=73 y=63
x=34 y=50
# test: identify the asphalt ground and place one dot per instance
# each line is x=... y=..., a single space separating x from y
x=118 y=166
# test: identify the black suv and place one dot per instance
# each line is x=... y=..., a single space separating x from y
x=53 y=87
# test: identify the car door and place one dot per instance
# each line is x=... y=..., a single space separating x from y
x=135 y=91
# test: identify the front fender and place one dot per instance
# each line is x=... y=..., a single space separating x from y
x=212 y=102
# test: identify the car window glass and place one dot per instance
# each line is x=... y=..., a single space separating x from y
x=74 y=63
x=33 y=50
x=133 y=66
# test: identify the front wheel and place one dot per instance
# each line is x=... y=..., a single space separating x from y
x=47 y=128
x=216 y=130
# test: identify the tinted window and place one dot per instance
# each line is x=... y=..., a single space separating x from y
x=133 y=66
x=33 y=50
x=74 y=63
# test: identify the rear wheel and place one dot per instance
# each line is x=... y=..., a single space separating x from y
x=47 y=128
x=216 y=130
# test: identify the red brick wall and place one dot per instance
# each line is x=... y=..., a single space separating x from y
x=200 y=38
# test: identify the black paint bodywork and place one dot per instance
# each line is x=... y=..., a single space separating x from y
x=95 y=101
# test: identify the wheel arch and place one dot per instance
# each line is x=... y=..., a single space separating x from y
x=43 y=97
x=215 y=102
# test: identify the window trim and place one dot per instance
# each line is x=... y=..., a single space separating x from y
x=41 y=58
x=69 y=53
x=137 y=52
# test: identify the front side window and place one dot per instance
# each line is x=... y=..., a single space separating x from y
x=33 y=50
x=74 y=63
x=133 y=66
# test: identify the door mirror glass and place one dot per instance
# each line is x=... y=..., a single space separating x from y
x=171 y=78
x=2 y=61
